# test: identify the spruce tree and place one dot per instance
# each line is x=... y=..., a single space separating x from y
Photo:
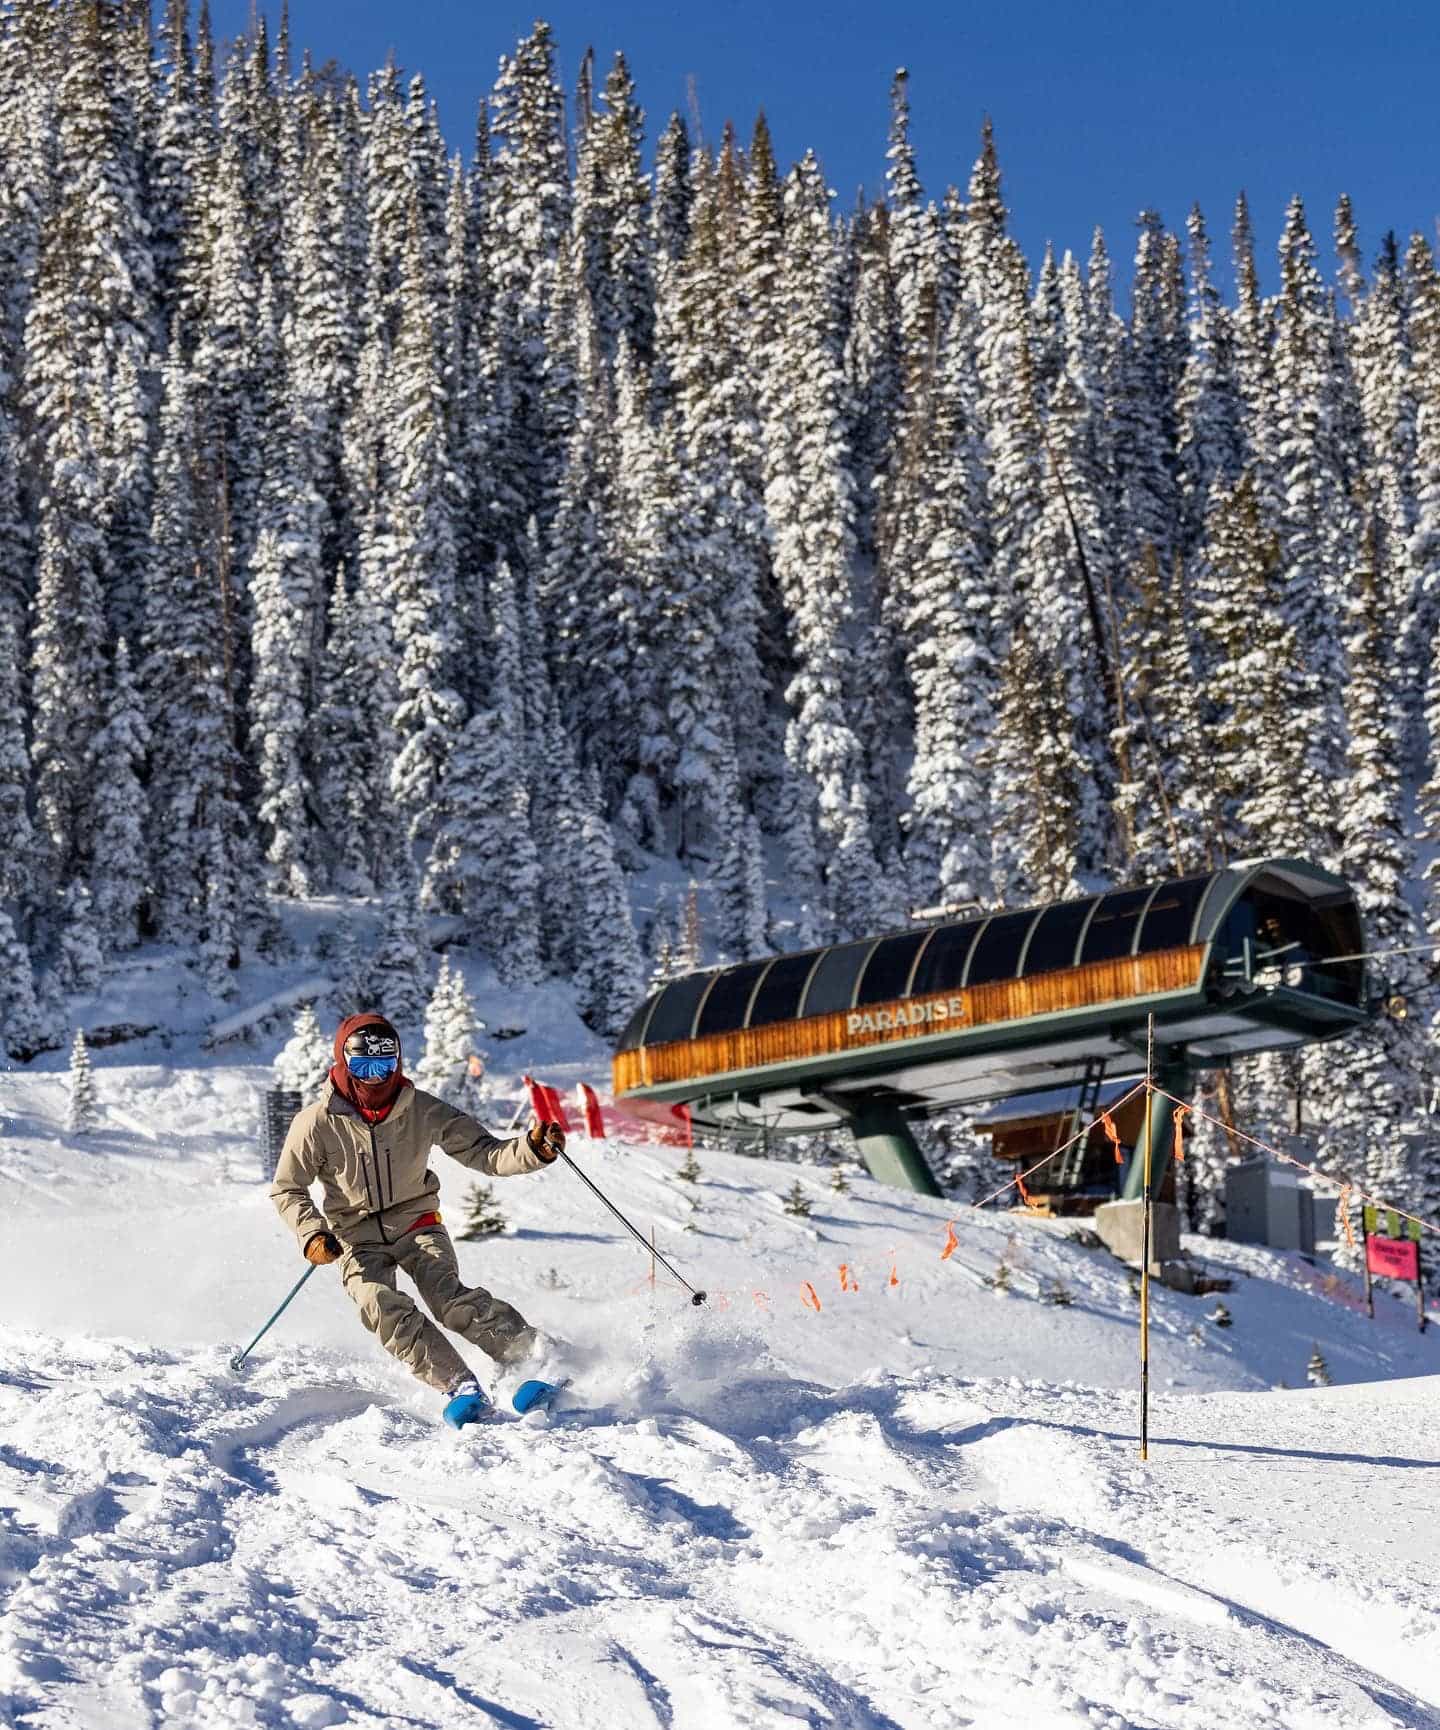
x=1254 y=328
x=950 y=631
x=810 y=500
x=1374 y=1080
x=66 y=652
x=421 y=585
x=605 y=961
x=341 y=741
x=1318 y=539
x=483 y=1214
x=709 y=513
x=201 y=848
x=84 y=1110
x=285 y=593
x=530 y=188
x=449 y=1062
x=24 y=1030
x=1209 y=409
x=487 y=806
x=398 y=971
x=1421 y=584
x=18 y=861
x=302 y=1064
x=121 y=877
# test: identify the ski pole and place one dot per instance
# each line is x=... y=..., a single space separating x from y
x=239 y=1358
x=696 y=1297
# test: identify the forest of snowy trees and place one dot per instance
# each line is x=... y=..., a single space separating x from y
x=465 y=529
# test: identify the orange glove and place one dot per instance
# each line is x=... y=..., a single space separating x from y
x=322 y=1248
x=546 y=1138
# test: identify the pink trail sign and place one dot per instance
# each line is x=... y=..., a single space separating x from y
x=1393 y=1257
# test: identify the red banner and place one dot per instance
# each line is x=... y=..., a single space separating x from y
x=1393 y=1257
x=545 y=1103
x=594 y=1117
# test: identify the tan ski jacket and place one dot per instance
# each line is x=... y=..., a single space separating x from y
x=375 y=1178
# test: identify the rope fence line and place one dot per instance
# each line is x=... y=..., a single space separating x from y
x=1345 y=1185
x=848 y=1274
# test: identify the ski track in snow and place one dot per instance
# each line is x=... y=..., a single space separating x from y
x=911 y=1551
x=897 y=1515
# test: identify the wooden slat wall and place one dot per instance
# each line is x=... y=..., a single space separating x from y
x=980 y=1006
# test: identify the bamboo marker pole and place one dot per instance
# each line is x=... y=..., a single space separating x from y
x=652 y=1261
x=1145 y=1248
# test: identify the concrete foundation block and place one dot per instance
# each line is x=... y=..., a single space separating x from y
x=1121 y=1226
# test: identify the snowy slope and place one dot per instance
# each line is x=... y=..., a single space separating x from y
x=920 y=1506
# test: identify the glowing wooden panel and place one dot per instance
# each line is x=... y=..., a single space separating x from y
x=1097 y=983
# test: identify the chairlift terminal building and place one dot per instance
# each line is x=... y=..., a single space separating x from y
x=870 y=1035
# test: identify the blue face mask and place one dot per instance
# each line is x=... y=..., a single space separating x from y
x=371 y=1068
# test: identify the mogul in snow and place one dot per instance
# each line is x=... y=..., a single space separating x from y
x=367 y=1142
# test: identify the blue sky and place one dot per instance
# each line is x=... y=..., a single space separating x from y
x=1100 y=108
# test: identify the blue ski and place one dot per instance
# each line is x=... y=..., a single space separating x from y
x=468 y=1409
x=533 y=1395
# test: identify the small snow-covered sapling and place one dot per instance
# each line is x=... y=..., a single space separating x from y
x=689 y=1172
x=483 y=1216
x=1317 y=1371
x=84 y=1109
x=796 y=1202
x=1220 y=1316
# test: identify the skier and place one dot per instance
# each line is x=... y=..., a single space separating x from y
x=367 y=1141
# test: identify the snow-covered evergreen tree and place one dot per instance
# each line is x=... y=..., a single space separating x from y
x=23 y=1027
x=950 y=635
x=605 y=962
x=810 y=498
x=397 y=972
x=303 y=1062
x=120 y=878
x=285 y=592
x=484 y=863
x=201 y=849
x=79 y=961
x=420 y=589
x=17 y=856
x=450 y=1064
x=84 y=1109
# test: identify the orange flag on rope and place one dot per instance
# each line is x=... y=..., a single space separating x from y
x=809 y=1296
x=1342 y=1215
x=848 y=1281
x=1180 y=1111
x=894 y=1270
x=1025 y=1195
x=952 y=1243
x=1109 y=1125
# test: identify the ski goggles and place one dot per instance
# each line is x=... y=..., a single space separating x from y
x=365 y=1068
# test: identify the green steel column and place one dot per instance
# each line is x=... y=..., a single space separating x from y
x=890 y=1152
x=1176 y=1077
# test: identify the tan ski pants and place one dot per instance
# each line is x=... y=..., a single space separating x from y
x=427 y=1258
